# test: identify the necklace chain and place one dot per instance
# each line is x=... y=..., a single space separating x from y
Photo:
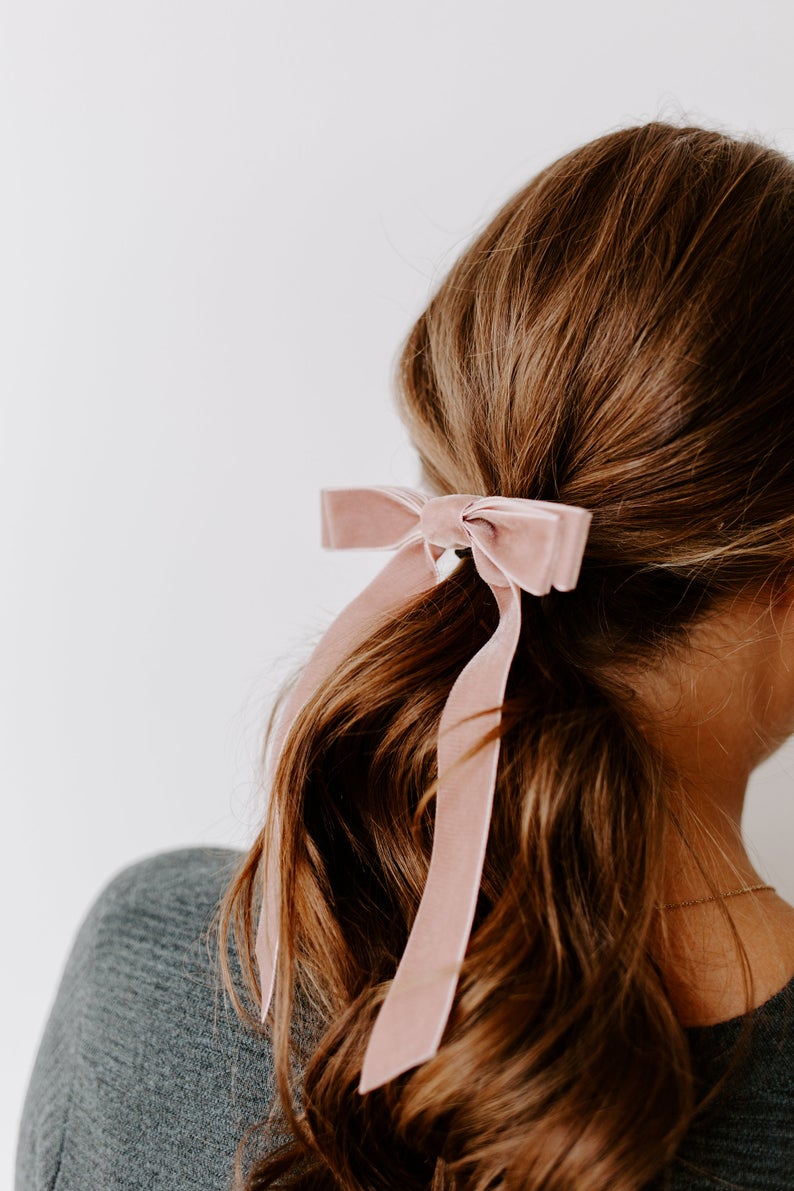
x=699 y=901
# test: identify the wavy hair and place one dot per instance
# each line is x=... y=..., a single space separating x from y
x=618 y=337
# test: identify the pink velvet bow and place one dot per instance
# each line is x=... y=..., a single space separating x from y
x=516 y=544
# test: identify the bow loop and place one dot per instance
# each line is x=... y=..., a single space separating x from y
x=369 y=518
x=514 y=541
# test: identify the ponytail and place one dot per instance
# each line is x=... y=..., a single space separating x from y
x=562 y=1062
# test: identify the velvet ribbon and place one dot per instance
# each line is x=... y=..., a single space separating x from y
x=516 y=545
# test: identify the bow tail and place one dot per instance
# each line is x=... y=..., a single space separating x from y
x=267 y=931
x=412 y=1018
x=410 y=572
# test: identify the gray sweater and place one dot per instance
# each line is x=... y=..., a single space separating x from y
x=145 y=1078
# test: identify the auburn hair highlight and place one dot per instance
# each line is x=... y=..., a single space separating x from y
x=618 y=337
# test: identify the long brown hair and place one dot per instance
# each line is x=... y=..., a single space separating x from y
x=619 y=337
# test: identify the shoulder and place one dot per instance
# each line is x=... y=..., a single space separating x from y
x=163 y=901
x=144 y=1075
x=746 y=1134
x=145 y=949
x=174 y=875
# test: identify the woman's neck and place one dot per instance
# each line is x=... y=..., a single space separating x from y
x=714 y=712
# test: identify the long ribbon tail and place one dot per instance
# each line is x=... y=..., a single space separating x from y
x=410 y=572
x=412 y=1018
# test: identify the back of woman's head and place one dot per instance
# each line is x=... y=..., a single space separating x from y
x=618 y=338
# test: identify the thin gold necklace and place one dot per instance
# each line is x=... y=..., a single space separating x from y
x=715 y=897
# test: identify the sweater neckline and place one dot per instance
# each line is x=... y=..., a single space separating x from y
x=779 y=1001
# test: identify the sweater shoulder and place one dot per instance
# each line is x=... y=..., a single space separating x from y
x=145 y=1076
x=155 y=909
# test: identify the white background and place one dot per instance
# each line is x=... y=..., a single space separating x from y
x=217 y=222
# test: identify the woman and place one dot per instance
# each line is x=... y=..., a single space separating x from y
x=613 y=357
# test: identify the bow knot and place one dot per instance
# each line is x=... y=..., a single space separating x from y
x=441 y=521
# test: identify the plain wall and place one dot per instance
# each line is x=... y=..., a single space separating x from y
x=218 y=222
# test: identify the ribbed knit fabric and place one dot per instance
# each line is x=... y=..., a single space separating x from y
x=145 y=1079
